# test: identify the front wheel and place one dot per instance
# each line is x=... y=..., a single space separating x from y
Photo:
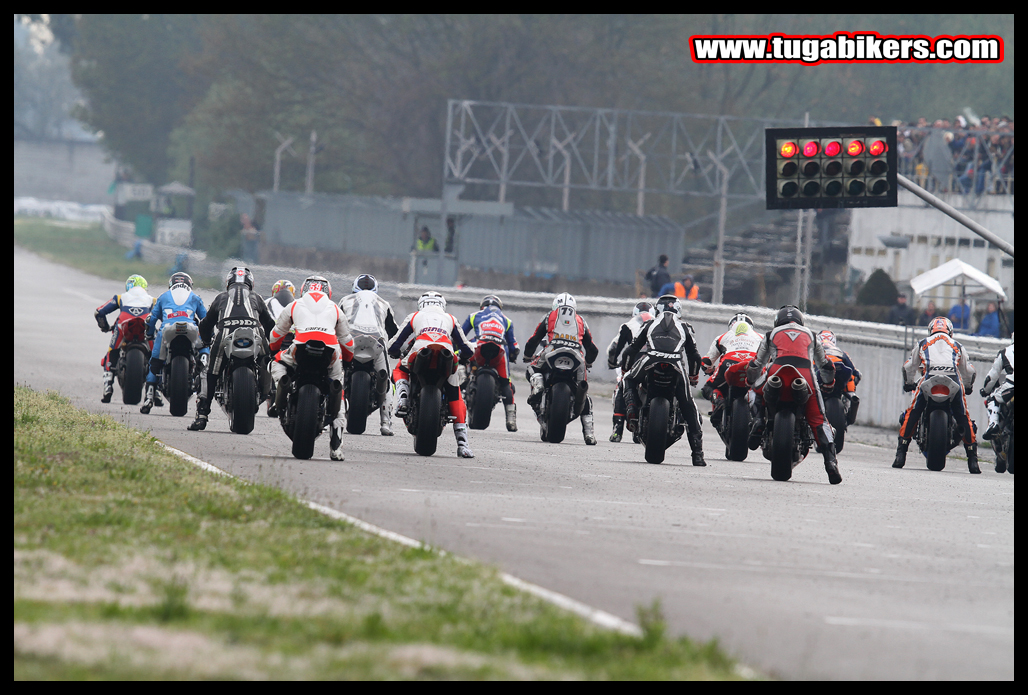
x=358 y=402
x=560 y=412
x=244 y=400
x=836 y=415
x=938 y=439
x=739 y=433
x=429 y=405
x=782 y=444
x=307 y=424
x=180 y=386
x=656 y=430
x=134 y=376
x=481 y=411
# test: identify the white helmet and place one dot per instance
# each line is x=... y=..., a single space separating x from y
x=642 y=308
x=740 y=317
x=365 y=282
x=431 y=299
x=564 y=299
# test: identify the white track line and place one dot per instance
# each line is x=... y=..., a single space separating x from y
x=594 y=615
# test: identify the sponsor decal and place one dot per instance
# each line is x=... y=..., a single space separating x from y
x=793 y=335
x=172 y=314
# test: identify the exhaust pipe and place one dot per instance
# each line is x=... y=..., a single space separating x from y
x=800 y=390
x=772 y=389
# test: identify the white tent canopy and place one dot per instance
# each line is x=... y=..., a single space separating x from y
x=973 y=280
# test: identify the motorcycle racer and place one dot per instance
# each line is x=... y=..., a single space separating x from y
x=282 y=295
x=791 y=343
x=237 y=301
x=137 y=302
x=641 y=313
x=668 y=326
x=997 y=390
x=555 y=326
x=431 y=324
x=738 y=344
x=314 y=316
x=369 y=313
x=490 y=321
x=178 y=304
x=835 y=354
x=938 y=353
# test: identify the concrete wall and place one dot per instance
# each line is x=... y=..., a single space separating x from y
x=75 y=171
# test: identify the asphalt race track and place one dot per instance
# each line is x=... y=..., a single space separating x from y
x=903 y=574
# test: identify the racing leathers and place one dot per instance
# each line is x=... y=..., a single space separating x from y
x=836 y=355
x=432 y=325
x=619 y=343
x=371 y=315
x=179 y=304
x=314 y=316
x=135 y=301
x=938 y=354
x=491 y=326
x=565 y=326
x=229 y=310
x=666 y=333
x=736 y=345
x=795 y=345
x=998 y=387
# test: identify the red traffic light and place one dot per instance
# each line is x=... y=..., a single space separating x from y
x=833 y=148
x=811 y=149
x=877 y=147
x=789 y=149
x=855 y=148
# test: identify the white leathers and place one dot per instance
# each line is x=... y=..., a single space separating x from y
x=366 y=312
x=739 y=338
x=136 y=297
x=314 y=317
x=429 y=326
x=939 y=354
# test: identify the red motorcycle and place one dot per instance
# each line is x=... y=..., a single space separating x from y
x=787 y=437
x=131 y=353
x=734 y=427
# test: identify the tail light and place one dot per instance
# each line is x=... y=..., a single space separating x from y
x=940 y=390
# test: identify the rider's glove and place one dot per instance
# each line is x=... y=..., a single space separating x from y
x=983 y=394
x=611 y=365
x=694 y=379
x=827 y=388
x=909 y=387
x=968 y=389
x=514 y=355
x=526 y=359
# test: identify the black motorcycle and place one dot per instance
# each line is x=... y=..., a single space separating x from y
x=938 y=431
x=837 y=404
x=362 y=380
x=242 y=381
x=180 y=345
x=481 y=388
x=661 y=422
x=1003 y=441
x=427 y=413
x=311 y=394
x=564 y=389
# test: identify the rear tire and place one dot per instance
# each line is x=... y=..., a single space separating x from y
x=560 y=412
x=429 y=405
x=781 y=445
x=656 y=430
x=134 y=377
x=307 y=425
x=485 y=399
x=180 y=386
x=358 y=403
x=740 y=432
x=938 y=439
x=837 y=419
x=1009 y=451
x=244 y=400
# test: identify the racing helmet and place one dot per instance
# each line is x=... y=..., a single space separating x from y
x=788 y=314
x=827 y=338
x=180 y=279
x=740 y=317
x=135 y=281
x=431 y=299
x=365 y=282
x=669 y=302
x=316 y=283
x=642 y=308
x=940 y=324
x=239 y=274
x=564 y=299
x=283 y=285
x=491 y=300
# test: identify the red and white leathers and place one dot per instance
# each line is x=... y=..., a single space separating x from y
x=738 y=344
x=938 y=354
x=561 y=327
x=795 y=345
x=314 y=316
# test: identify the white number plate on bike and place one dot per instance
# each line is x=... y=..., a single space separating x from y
x=563 y=363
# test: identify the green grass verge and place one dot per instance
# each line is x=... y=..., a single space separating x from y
x=88 y=248
x=131 y=563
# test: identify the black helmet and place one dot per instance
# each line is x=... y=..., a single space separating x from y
x=669 y=302
x=492 y=300
x=789 y=314
x=365 y=282
x=180 y=279
x=239 y=274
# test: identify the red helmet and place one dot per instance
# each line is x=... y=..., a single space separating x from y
x=940 y=324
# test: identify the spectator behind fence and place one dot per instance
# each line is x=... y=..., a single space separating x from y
x=658 y=275
x=250 y=240
x=425 y=241
x=683 y=289
x=901 y=314
x=927 y=315
x=989 y=325
x=960 y=316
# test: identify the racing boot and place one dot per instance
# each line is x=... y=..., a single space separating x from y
x=336 y=439
x=203 y=409
x=272 y=410
x=631 y=410
x=281 y=397
x=619 y=429
x=587 y=429
x=148 y=399
x=108 y=387
x=901 y=452
x=536 y=382
x=992 y=407
x=460 y=431
x=718 y=409
x=157 y=399
x=756 y=430
x=511 y=409
x=385 y=427
x=851 y=416
x=402 y=390
x=831 y=464
x=696 y=444
x=972 y=457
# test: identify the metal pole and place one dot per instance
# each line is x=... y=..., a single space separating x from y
x=285 y=144
x=960 y=217
x=310 y=164
x=799 y=236
x=806 y=259
x=719 y=255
